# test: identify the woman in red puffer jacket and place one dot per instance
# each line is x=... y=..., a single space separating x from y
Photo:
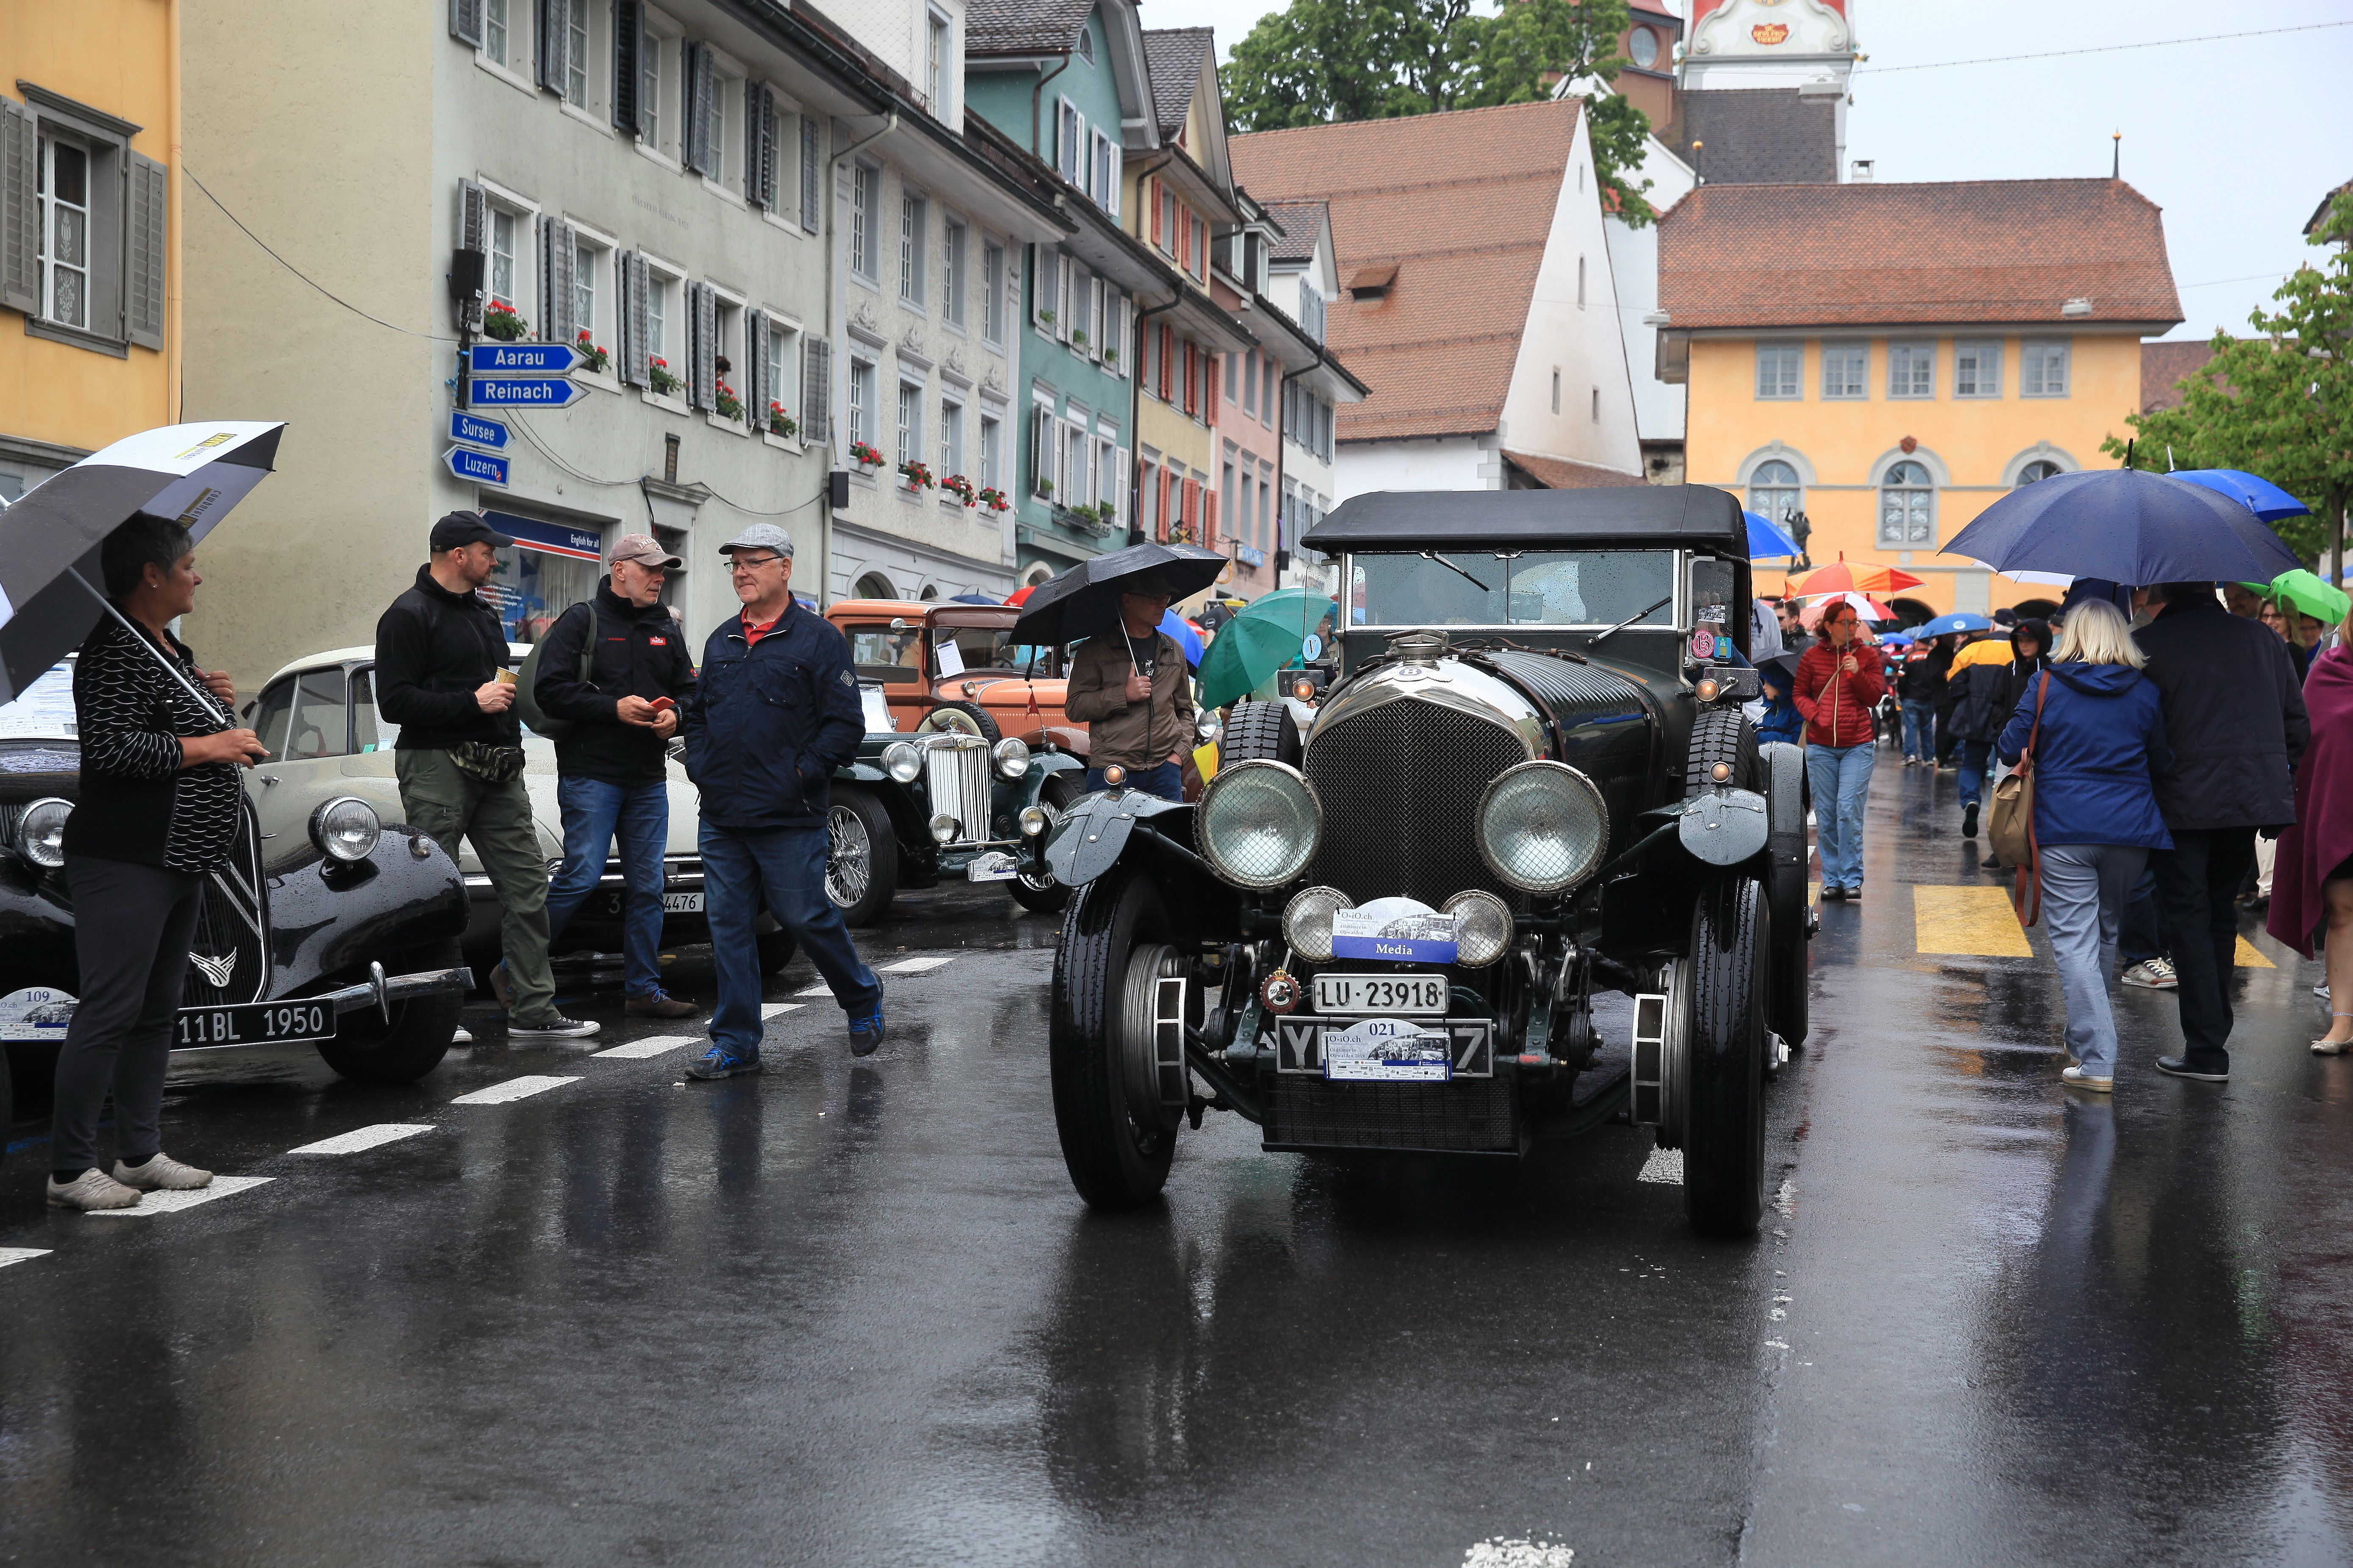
x=1837 y=683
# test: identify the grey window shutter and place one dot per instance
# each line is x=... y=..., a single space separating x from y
x=552 y=23
x=703 y=346
x=560 y=304
x=143 y=266
x=759 y=146
x=20 y=209
x=636 y=285
x=817 y=391
x=473 y=234
x=809 y=192
x=465 y=21
x=695 y=70
x=756 y=392
x=628 y=48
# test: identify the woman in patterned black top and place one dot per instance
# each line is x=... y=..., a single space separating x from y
x=159 y=804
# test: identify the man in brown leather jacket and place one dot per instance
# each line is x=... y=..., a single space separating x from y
x=1130 y=688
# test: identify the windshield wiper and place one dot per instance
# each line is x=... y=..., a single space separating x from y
x=1601 y=638
x=1442 y=560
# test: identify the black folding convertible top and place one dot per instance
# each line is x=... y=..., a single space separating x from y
x=1694 y=515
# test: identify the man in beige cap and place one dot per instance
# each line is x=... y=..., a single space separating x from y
x=611 y=674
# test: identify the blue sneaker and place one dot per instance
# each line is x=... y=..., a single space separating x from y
x=721 y=1062
x=866 y=1033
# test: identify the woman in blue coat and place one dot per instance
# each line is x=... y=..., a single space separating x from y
x=2097 y=757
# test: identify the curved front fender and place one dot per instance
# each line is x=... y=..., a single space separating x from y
x=1089 y=839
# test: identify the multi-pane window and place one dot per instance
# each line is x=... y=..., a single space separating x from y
x=1773 y=491
x=64 y=180
x=991 y=436
x=1911 y=370
x=911 y=248
x=952 y=299
x=1976 y=370
x=1846 y=370
x=935 y=64
x=503 y=228
x=1778 y=366
x=649 y=78
x=1070 y=150
x=861 y=400
x=495 y=37
x=1907 y=507
x=779 y=350
x=951 y=439
x=2040 y=469
x=1106 y=173
x=2043 y=370
x=657 y=316
x=865 y=197
x=992 y=298
x=910 y=422
x=1250 y=381
x=575 y=70
x=1170 y=215
x=583 y=288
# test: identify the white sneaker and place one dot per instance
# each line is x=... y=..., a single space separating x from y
x=2076 y=1078
x=558 y=1027
x=162 y=1174
x=2152 y=974
x=93 y=1189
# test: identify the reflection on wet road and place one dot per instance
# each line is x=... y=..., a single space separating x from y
x=850 y=1312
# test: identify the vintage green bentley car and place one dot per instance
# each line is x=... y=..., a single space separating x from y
x=1532 y=786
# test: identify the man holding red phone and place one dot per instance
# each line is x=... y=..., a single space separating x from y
x=620 y=697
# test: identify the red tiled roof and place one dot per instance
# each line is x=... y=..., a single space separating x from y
x=2162 y=368
x=1560 y=473
x=1965 y=252
x=1461 y=203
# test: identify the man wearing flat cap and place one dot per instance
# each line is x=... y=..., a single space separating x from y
x=439 y=652
x=773 y=712
x=611 y=673
x=1132 y=689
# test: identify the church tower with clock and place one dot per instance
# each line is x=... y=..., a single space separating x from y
x=1765 y=90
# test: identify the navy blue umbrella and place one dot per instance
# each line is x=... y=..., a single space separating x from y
x=2126 y=526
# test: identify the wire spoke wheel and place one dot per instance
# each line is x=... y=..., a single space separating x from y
x=848 y=856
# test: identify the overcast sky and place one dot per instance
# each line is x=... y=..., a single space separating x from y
x=2236 y=140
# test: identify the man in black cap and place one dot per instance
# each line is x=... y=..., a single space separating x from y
x=440 y=655
x=1130 y=688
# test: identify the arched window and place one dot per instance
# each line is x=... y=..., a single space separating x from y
x=1773 y=491
x=874 y=585
x=1907 y=507
x=2040 y=469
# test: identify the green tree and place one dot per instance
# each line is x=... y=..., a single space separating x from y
x=2279 y=404
x=1322 y=62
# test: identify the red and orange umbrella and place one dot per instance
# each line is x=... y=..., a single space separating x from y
x=1842 y=576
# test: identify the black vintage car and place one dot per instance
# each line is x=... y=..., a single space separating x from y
x=342 y=933
x=1531 y=785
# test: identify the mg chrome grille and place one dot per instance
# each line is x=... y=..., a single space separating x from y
x=1401 y=787
x=955 y=777
x=227 y=961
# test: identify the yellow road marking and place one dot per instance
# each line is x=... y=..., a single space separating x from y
x=1966 y=920
x=2250 y=957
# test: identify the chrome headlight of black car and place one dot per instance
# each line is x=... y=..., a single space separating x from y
x=1012 y=758
x=1543 y=826
x=1482 y=929
x=41 y=832
x=1258 y=822
x=902 y=760
x=345 y=828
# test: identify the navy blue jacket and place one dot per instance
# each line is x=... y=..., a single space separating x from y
x=2098 y=757
x=768 y=722
x=2233 y=715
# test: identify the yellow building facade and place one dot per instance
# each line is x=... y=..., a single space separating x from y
x=90 y=269
x=1890 y=476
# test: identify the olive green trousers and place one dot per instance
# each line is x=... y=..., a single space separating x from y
x=449 y=803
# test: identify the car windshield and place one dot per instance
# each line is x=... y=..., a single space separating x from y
x=1518 y=588
x=43 y=710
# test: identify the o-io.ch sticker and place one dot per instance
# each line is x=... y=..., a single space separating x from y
x=36 y=1013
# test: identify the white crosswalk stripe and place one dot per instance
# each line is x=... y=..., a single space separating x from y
x=362 y=1138
x=660 y=1046
x=1663 y=1165
x=513 y=1088
x=776 y=1009
x=172 y=1202
x=21 y=1255
x=918 y=965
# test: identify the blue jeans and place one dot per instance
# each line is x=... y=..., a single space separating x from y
x=1919 y=727
x=784 y=868
x=1841 y=779
x=1167 y=780
x=595 y=812
x=2084 y=890
x=1976 y=756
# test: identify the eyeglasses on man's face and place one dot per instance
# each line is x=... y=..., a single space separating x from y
x=740 y=562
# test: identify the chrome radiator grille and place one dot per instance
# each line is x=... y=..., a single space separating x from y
x=227 y=961
x=955 y=780
x=1401 y=787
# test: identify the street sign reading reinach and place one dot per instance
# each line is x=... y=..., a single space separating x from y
x=525 y=391
x=523 y=359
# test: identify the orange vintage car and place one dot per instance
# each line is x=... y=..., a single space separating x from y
x=955 y=666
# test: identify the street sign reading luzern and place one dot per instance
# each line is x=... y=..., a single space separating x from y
x=525 y=392
x=479 y=466
x=523 y=359
x=475 y=430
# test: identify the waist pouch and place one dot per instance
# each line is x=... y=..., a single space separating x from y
x=489 y=762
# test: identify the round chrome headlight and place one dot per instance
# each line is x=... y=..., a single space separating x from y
x=1012 y=758
x=1258 y=822
x=1307 y=921
x=345 y=828
x=1482 y=929
x=902 y=761
x=1208 y=729
x=944 y=828
x=41 y=832
x=1034 y=821
x=1543 y=826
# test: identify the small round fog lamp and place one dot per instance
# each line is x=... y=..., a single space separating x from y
x=1307 y=921
x=1034 y=821
x=1706 y=689
x=944 y=828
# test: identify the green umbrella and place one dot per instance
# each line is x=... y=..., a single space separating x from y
x=2306 y=593
x=1247 y=649
x=1293 y=607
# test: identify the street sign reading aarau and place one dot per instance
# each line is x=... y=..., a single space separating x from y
x=523 y=359
x=525 y=391
x=480 y=467
x=475 y=430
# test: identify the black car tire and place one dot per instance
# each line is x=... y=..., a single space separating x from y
x=366 y=1050
x=1259 y=731
x=982 y=724
x=1047 y=897
x=1723 y=1119
x=1720 y=735
x=858 y=826
x=7 y=1105
x=1115 y=1160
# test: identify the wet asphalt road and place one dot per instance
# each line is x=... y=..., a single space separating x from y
x=851 y=1314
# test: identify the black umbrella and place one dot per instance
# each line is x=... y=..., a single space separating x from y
x=1085 y=600
x=51 y=590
